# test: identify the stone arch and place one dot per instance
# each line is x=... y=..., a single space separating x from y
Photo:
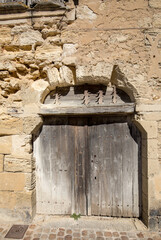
x=118 y=79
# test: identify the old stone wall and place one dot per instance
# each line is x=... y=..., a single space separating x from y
x=114 y=42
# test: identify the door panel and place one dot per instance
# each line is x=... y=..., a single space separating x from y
x=113 y=159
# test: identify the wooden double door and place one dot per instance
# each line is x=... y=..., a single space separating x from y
x=88 y=165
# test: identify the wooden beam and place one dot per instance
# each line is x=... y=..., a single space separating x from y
x=127 y=108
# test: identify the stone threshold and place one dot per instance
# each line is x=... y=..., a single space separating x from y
x=91 y=222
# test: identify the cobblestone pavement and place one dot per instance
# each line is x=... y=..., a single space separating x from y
x=42 y=231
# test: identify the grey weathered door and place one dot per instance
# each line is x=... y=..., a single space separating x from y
x=88 y=165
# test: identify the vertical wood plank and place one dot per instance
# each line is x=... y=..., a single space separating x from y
x=116 y=168
x=62 y=193
x=105 y=169
x=108 y=187
x=127 y=172
x=71 y=155
x=88 y=170
x=80 y=155
x=43 y=170
x=94 y=159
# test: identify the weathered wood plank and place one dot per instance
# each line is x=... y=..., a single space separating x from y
x=104 y=173
x=94 y=162
x=108 y=168
x=43 y=170
x=62 y=171
x=127 y=172
x=80 y=154
x=117 y=145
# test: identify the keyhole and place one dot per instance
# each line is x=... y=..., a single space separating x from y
x=95 y=177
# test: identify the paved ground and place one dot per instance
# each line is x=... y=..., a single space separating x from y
x=94 y=228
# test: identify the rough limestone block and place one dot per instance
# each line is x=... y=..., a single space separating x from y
x=5 y=35
x=18 y=29
x=5 y=144
x=11 y=200
x=70 y=15
x=1 y=162
x=11 y=126
x=50 y=32
x=67 y=75
x=12 y=164
x=7 y=65
x=37 y=91
x=32 y=124
x=67 y=57
x=69 y=61
x=12 y=181
x=4 y=74
x=68 y=49
x=21 y=146
x=101 y=72
x=49 y=53
x=157 y=20
x=53 y=76
x=7 y=199
x=84 y=12
x=28 y=38
x=155 y=3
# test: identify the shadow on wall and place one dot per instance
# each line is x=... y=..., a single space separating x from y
x=76 y=2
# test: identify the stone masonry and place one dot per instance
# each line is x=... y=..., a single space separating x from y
x=113 y=42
